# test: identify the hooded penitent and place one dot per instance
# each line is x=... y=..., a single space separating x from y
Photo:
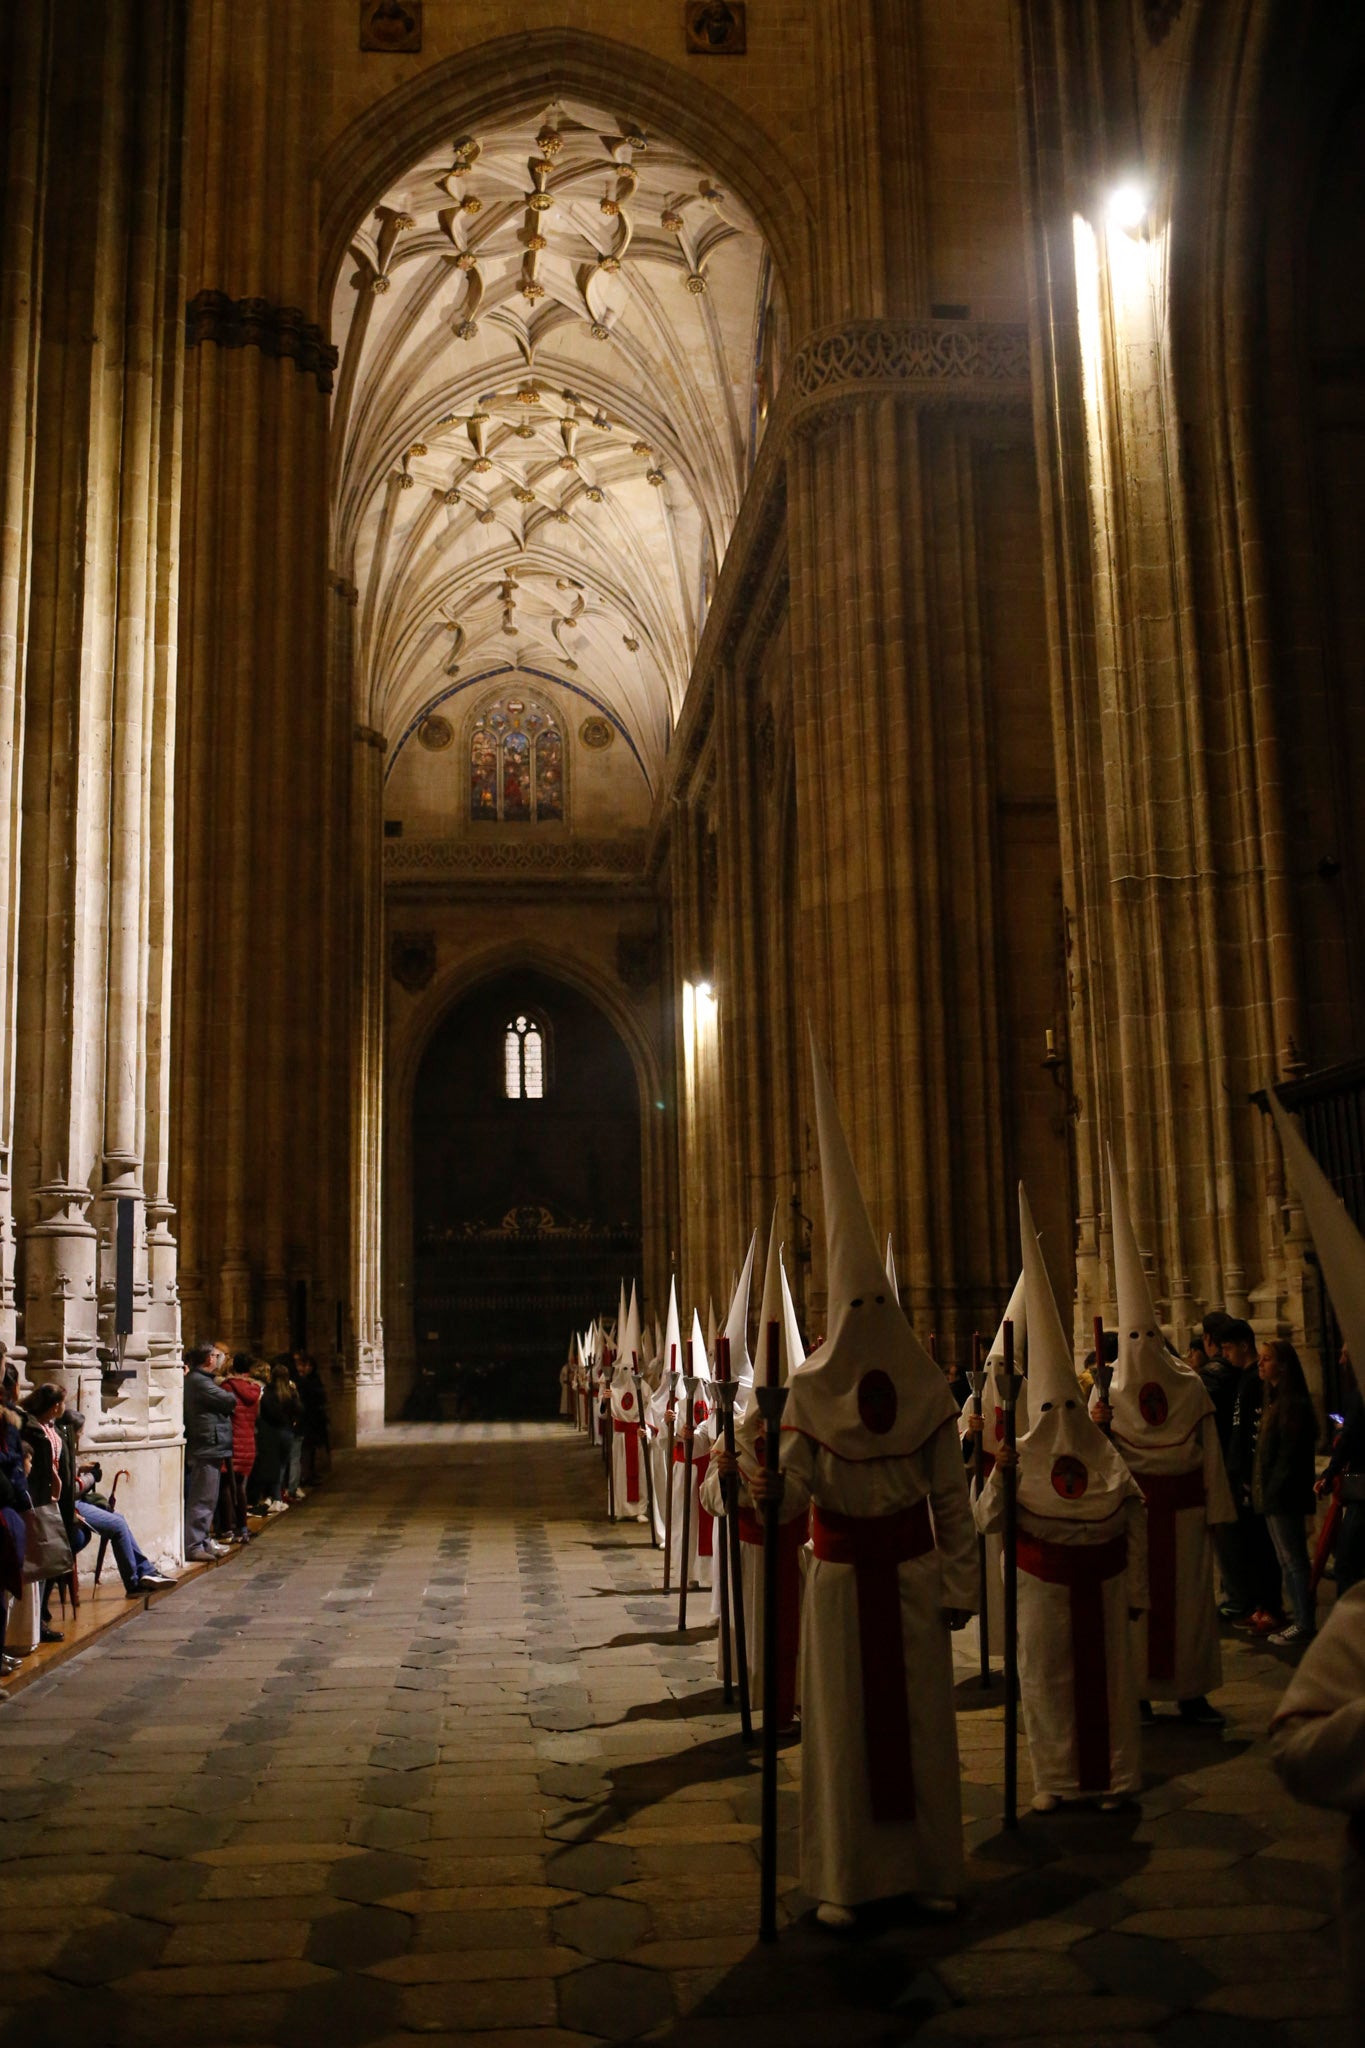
x=993 y=1391
x=1078 y=1550
x=776 y=1311
x=1339 y=1245
x=871 y=1390
x=737 y=1322
x=1156 y=1400
x=1068 y=1469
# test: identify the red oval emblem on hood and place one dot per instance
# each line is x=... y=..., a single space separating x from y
x=1070 y=1478
x=877 y=1403
x=627 y=1400
x=1152 y=1403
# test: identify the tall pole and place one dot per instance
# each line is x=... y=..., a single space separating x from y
x=772 y=1400
x=689 y=1454
x=1011 y=1489
x=608 y=1422
x=983 y=1627
x=724 y=1536
x=734 y=1551
x=669 y=1412
x=646 y=1451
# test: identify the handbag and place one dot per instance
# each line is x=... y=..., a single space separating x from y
x=47 y=1551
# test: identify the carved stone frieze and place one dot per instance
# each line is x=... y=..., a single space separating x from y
x=281 y=331
x=937 y=362
x=404 y=858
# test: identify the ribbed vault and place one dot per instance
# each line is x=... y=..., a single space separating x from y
x=557 y=337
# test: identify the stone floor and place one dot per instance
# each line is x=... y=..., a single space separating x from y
x=432 y=1762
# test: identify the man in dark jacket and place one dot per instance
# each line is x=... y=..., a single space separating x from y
x=209 y=1410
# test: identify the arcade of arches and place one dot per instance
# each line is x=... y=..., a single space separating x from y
x=728 y=538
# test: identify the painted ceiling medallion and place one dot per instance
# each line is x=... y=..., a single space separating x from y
x=596 y=733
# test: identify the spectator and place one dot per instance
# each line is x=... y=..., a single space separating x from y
x=94 y=1517
x=245 y=1382
x=14 y=1505
x=280 y=1408
x=51 y=1476
x=1346 y=1472
x=1253 y=1594
x=317 y=1428
x=209 y=1410
x=1282 y=1483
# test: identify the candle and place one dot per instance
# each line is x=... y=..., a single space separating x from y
x=1050 y=1045
x=773 y=1359
x=722 y=1358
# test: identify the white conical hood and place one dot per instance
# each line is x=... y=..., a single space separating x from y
x=1157 y=1400
x=871 y=1390
x=892 y=1282
x=711 y=1326
x=621 y=1314
x=631 y=1346
x=674 y=1360
x=993 y=1393
x=700 y=1367
x=793 y=1349
x=737 y=1322
x=772 y=1311
x=1338 y=1244
x=1068 y=1469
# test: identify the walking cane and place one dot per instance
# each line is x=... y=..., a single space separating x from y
x=734 y=1557
x=689 y=1454
x=1104 y=1372
x=104 y=1540
x=772 y=1399
x=669 y=1414
x=983 y=1629
x=1011 y=1486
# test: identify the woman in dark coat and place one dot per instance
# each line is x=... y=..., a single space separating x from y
x=15 y=1503
x=52 y=1475
x=1282 y=1480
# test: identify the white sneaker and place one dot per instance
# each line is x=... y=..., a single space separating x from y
x=216 y=1549
x=834 y=1916
x=1289 y=1638
x=277 y=1507
x=1045 y=1802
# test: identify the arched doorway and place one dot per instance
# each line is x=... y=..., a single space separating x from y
x=526 y=1192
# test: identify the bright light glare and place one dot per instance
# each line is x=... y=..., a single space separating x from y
x=705 y=991
x=1128 y=205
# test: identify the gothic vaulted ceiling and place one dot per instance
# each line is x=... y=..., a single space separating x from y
x=551 y=336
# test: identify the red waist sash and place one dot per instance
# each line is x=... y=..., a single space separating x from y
x=1084 y=1569
x=1165 y=1493
x=876 y=1545
x=791 y=1538
x=631 y=1432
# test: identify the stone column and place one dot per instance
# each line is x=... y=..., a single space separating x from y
x=99 y=680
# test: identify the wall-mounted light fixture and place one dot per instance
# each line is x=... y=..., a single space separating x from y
x=1128 y=205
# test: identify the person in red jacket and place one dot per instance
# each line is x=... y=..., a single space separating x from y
x=245 y=1383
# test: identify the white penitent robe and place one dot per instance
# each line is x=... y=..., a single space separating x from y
x=847 y=1854
x=1176 y=1652
x=1318 y=1748
x=700 y=1529
x=565 y=1393
x=1081 y=1718
x=658 y=1452
x=792 y=1569
x=629 y=1487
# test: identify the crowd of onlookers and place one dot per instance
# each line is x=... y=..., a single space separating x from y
x=1268 y=1429
x=256 y=1434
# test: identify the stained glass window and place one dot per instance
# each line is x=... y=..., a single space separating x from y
x=523 y=1060
x=516 y=763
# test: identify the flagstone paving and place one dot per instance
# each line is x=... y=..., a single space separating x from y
x=432 y=1763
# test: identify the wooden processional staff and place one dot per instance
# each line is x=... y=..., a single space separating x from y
x=772 y=1401
x=1011 y=1489
x=983 y=1626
